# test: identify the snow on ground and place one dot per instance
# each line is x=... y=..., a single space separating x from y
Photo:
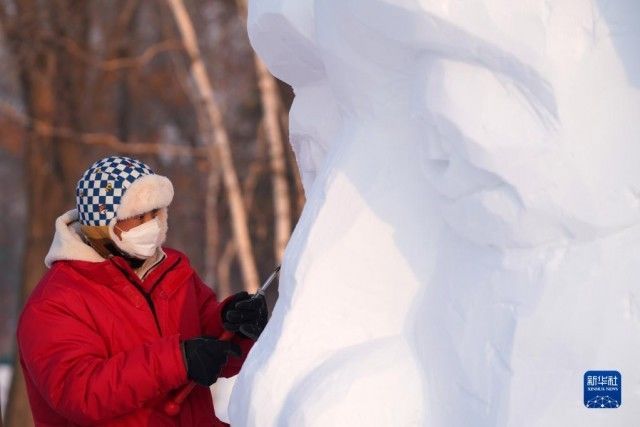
x=221 y=392
x=5 y=382
x=470 y=245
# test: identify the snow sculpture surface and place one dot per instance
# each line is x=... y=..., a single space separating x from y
x=470 y=245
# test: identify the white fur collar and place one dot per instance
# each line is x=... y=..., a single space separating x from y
x=67 y=243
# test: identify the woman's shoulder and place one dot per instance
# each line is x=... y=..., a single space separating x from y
x=56 y=283
x=177 y=257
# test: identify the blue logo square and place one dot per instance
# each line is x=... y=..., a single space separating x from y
x=602 y=389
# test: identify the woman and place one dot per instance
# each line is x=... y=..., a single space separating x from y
x=119 y=325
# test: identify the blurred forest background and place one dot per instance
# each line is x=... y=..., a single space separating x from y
x=173 y=83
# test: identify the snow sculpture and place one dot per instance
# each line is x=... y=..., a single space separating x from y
x=471 y=241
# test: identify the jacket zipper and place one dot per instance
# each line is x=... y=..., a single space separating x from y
x=147 y=296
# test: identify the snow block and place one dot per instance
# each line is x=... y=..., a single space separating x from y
x=470 y=247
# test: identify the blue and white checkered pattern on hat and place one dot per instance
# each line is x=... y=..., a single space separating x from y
x=100 y=190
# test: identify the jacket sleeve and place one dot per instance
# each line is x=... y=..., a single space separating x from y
x=67 y=361
x=211 y=321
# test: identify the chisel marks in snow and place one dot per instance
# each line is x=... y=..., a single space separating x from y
x=633 y=308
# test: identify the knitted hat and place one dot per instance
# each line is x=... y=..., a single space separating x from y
x=120 y=187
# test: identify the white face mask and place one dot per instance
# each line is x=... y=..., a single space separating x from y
x=143 y=240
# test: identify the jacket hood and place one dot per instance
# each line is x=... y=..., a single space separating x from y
x=68 y=244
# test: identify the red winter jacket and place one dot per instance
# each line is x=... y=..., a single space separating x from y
x=100 y=347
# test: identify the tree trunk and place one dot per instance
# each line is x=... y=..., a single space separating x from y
x=211 y=226
x=219 y=146
x=281 y=203
x=271 y=108
x=47 y=76
x=44 y=196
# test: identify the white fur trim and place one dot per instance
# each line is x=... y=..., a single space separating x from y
x=146 y=193
x=163 y=216
x=67 y=243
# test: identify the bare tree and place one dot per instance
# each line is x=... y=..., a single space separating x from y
x=271 y=106
x=281 y=202
x=249 y=184
x=50 y=161
x=107 y=140
x=220 y=146
x=99 y=78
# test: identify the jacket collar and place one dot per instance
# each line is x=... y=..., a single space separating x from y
x=67 y=242
x=68 y=245
x=153 y=279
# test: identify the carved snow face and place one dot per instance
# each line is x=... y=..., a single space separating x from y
x=529 y=121
x=524 y=114
x=314 y=114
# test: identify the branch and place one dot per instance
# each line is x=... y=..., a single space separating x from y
x=98 y=138
x=116 y=64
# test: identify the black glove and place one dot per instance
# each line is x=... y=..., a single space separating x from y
x=246 y=314
x=206 y=356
